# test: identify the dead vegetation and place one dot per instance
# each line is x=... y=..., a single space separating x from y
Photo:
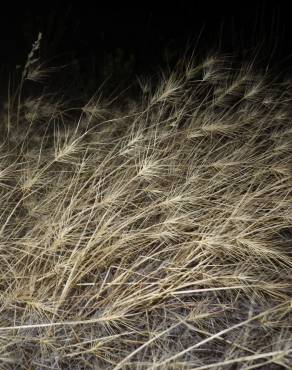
x=157 y=237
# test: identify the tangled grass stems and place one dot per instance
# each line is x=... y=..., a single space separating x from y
x=154 y=233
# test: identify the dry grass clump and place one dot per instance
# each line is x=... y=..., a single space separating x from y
x=156 y=235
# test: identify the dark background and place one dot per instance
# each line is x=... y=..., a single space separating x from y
x=124 y=38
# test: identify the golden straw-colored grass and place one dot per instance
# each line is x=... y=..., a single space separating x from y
x=154 y=234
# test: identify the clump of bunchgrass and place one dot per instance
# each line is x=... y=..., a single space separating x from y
x=156 y=235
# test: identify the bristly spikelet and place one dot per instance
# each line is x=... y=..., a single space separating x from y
x=152 y=235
